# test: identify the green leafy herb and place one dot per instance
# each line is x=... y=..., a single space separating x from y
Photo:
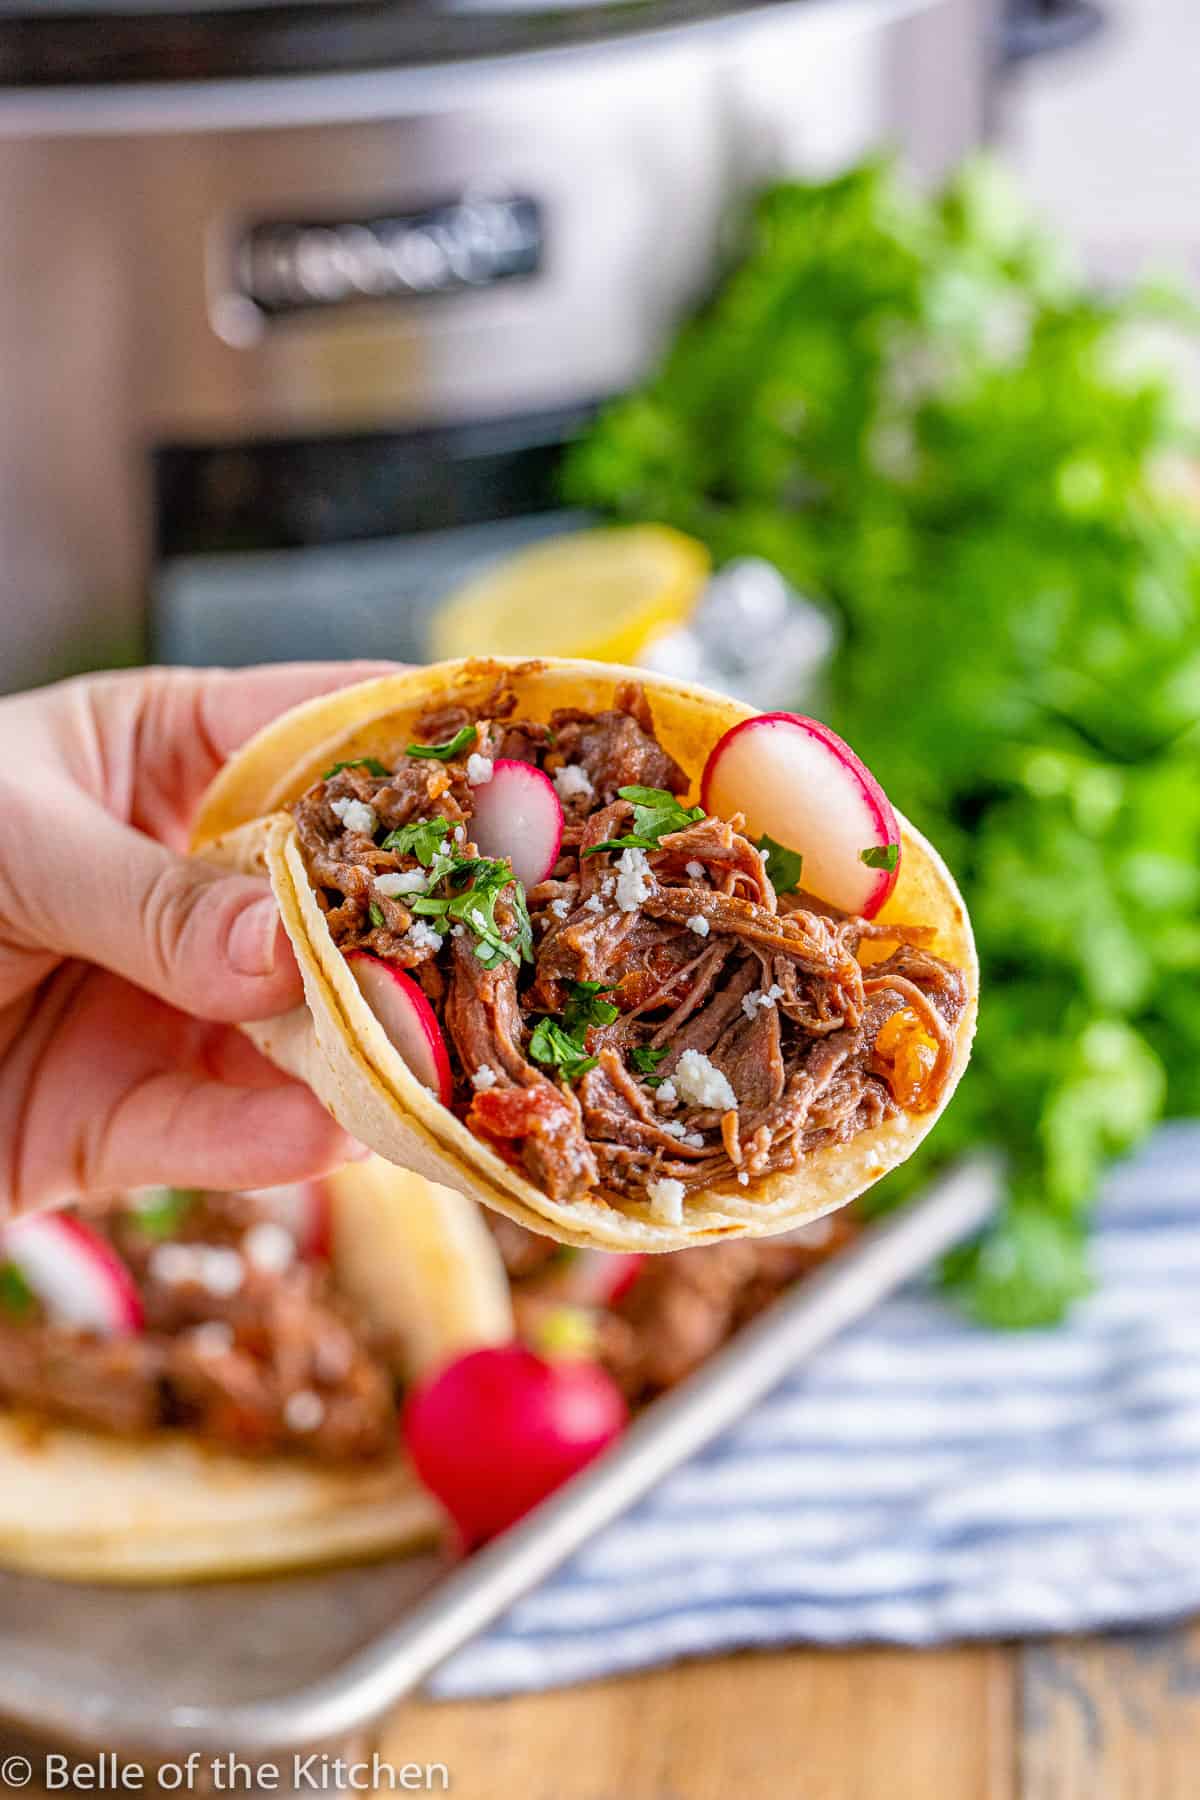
x=375 y=913
x=551 y=1045
x=656 y=814
x=913 y=407
x=584 y=1006
x=475 y=906
x=423 y=838
x=645 y=1059
x=16 y=1296
x=881 y=856
x=160 y=1212
x=783 y=866
x=462 y=740
x=371 y=764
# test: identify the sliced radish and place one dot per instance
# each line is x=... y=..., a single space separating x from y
x=77 y=1277
x=517 y=814
x=408 y=1019
x=797 y=782
x=303 y=1208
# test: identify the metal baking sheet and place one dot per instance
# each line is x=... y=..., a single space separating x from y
x=268 y=1669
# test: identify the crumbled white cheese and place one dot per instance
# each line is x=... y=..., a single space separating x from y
x=593 y=904
x=608 y=886
x=666 y=1093
x=699 y=924
x=401 y=881
x=674 y=1127
x=303 y=1411
x=694 y=1140
x=560 y=908
x=460 y=835
x=764 y=855
x=743 y=1178
x=666 y=1200
x=457 y=930
x=213 y=1338
x=696 y=870
x=423 y=937
x=332 y=1359
x=479 y=769
x=484 y=1077
x=753 y=1001
x=701 y=1084
x=633 y=880
x=221 y=1270
x=571 y=781
x=355 y=815
x=172 y=1264
x=269 y=1246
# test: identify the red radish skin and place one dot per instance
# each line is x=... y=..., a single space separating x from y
x=77 y=1276
x=798 y=782
x=501 y=1428
x=517 y=814
x=407 y=1017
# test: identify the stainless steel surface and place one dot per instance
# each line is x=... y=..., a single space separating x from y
x=121 y=326
x=267 y=1669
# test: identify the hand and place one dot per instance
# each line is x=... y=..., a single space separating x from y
x=122 y=964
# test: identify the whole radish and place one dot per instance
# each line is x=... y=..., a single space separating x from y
x=498 y=1430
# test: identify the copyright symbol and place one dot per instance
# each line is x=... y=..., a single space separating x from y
x=16 y=1771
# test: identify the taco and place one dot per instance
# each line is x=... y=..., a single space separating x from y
x=197 y=1386
x=594 y=951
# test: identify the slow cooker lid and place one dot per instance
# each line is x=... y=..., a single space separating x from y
x=80 y=43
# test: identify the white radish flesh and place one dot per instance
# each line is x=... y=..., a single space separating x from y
x=79 y=1280
x=408 y=1019
x=799 y=783
x=517 y=814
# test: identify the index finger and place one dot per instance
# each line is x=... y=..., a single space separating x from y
x=191 y=722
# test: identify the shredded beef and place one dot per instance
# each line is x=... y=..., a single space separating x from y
x=617 y=749
x=676 y=1311
x=522 y=1114
x=280 y=1334
x=771 y=989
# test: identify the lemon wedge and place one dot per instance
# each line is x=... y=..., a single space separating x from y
x=602 y=593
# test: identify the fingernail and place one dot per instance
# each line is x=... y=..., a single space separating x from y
x=254 y=939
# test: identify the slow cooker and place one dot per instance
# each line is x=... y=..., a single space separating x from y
x=302 y=298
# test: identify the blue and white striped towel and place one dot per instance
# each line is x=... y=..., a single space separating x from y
x=922 y=1480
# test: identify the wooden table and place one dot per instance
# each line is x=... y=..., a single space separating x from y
x=1087 y=1719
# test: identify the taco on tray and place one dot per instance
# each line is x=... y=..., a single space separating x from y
x=196 y=1386
x=633 y=965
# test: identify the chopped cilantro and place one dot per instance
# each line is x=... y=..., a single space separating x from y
x=375 y=912
x=655 y=815
x=475 y=906
x=462 y=740
x=16 y=1295
x=423 y=838
x=371 y=764
x=552 y=1045
x=646 y=1059
x=783 y=866
x=881 y=856
x=160 y=1212
x=584 y=1007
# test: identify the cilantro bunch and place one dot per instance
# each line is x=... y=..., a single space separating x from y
x=914 y=408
